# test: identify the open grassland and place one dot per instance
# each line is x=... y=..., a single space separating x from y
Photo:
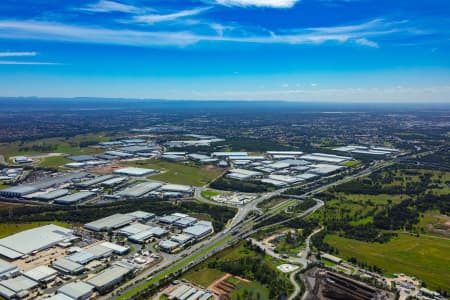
x=424 y=257
x=203 y=276
x=71 y=145
x=7 y=229
x=3 y=185
x=179 y=173
x=250 y=290
x=53 y=162
x=209 y=193
x=351 y=163
x=435 y=223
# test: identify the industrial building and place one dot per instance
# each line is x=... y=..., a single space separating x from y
x=327 y=158
x=94 y=181
x=67 y=266
x=182 y=239
x=108 y=278
x=142 y=216
x=323 y=169
x=17 y=287
x=134 y=229
x=81 y=257
x=51 y=195
x=177 y=188
x=228 y=154
x=187 y=292
x=41 y=274
x=137 y=172
x=372 y=150
x=172 y=157
x=75 y=198
x=143 y=236
x=139 y=189
x=81 y=158
x=117 y=249
x=118 y=154
x=185 y=222
x=170 y=219
x=168 y=245
x=242 y=174
x=36 y=239
x=78 y=290
x=18 y=191
x=199 y=230
x=8 y=270
x=111 y=222
x=113 y=181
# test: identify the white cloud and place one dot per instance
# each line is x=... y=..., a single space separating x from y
x=180 y=36
x=366 y=42
x=259 y=3
x=11 y=62
x=155 y=18
x=106 y=6
x=17 y=54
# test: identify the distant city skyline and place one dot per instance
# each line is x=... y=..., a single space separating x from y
x=305 y=50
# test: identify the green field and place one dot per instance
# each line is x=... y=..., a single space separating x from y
x=351 y=163
x=59 y=145
x=427 y=258
x=179 y=173
x=203 y=276
x=7 y=229
x=53 y=162
x=209 y=193
x=250 y=291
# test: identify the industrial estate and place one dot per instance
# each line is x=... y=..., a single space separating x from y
x=170 y=211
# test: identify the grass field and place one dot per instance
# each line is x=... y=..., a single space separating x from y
x=203 y=276
x=179 y=173
x=209 y=193
x=351 y=163
x=61 y=145
x=7 y=229
x=3 y=185
x=250 y=290
x=53 y=162
x=424 y=257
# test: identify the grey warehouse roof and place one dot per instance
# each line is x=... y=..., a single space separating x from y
x=108 y=276
x=73 y=198
x=111 y=222
x=76 y=290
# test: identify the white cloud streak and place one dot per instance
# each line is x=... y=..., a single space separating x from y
x=17 y=54
x=156 y=18
x=106 y=6
x=360 y=34
x=11 y=62
x=259 y=3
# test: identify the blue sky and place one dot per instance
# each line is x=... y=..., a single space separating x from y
x=305 y=50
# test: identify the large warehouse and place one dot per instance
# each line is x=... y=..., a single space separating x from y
x=131 y=171
x=36 y=239
x=112 y=222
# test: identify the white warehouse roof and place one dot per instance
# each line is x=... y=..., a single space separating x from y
x=132 y=171
x=38 y=238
